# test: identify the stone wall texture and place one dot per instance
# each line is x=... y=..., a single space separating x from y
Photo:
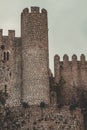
x=10 y=71
x=35 y=118
x=74 y=74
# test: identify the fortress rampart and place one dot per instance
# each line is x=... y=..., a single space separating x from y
x=10 y=62
x=73 y=72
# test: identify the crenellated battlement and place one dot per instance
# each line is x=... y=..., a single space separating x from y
x=9 y=37
x=11 y=33
x=73 y=60
x=66 y=63
x=34 y=10
x=34 y=24
x=73 y=72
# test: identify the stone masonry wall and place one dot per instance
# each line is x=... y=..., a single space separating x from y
x=10 y=67
x=35 y=63
x=74 y=74
x=35 y=118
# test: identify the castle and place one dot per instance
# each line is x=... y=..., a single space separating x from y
x=26 y=78
x=24 y=60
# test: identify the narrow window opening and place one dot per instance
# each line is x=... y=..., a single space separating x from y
x=5 y=90
x=10 y=74
x=7 y=56
x=4 y=56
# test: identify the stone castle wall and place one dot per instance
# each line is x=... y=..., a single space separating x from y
x=74 y=74
x=36 y=118
x=26 y=70
x=25 y=75
x=10 y=71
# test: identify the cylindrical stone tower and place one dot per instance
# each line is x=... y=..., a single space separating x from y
x=35 y=61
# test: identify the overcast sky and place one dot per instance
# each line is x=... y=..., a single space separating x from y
x=67 y=23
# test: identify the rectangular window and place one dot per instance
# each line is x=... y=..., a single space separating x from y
x=7 y=56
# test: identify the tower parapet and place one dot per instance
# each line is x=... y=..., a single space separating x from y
x=36 y=21
x=34 y=10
